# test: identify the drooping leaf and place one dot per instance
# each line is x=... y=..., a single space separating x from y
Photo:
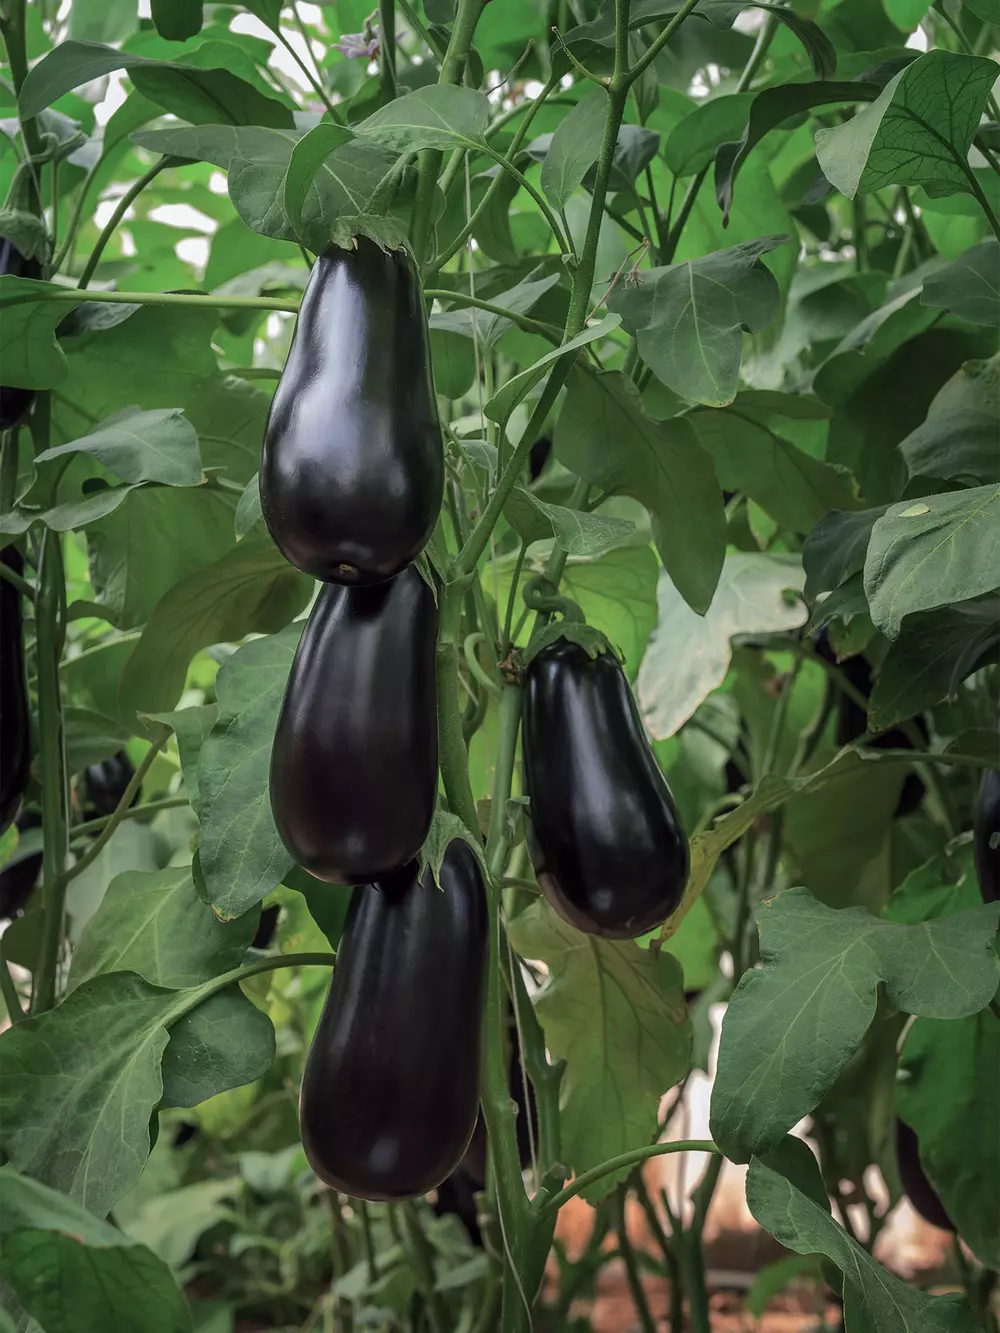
x=792 y=1026
x=485 y=325
x=750 y=599
x=969 y=287
x=835 y=548
x=177 y=20
x=306 y=159
x=32 y=358
x=242 y=857
x=918 y=131
x=960 y=436
x=72 y=1271
x=927 y=553
x=503 y=402
x=574 y=149
x=576 y=532
x=690 y=318
x=250 y=590
x=438 y=116
x=155 y=924
x=786 y=1195
x=190 y=726
x=603 y=435
x=612 y=1085
x=226 y=1042
x=694 y=140
x=138 y=446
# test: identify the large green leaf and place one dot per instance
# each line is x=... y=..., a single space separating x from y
x=690 y=318
x=935 y=652
x=32 y=358
x=438 y=116
x=694 y=140
x=157 y=925
x=72 y=1271
x=792 y=1026
x=574 y=149
x=970 y=287
x=226 y=1042
x=514 y=390
x=750 y=599
x=959 y=438
x=786 y=1195
x=603 y=435
x=918 y=131
x=835 y=548
x=141 y=446
x=927 y=553
x=616 y=1014
x=198 y=95
x=575 y=532
x=242 y=857
x=948 y=1096
x=250 y=590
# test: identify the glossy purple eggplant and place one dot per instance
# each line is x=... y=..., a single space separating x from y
x=354 y=761
x=986 y=832
x=913 y=1178
x=352 y=466
x=605 y=836
x=391 y=1086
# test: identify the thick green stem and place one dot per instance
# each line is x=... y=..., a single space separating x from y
x=124 y=204
x=460 y=299
x=632 y=1274
x=12 y=20
x=136 y=812
x=72 y=296
x=454 y=758
x=50 y=608
x=661 y=41
x=387 y=48
x=498 y=843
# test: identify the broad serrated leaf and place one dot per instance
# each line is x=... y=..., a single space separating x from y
x=792 y=1026
x=72 y=1271
x=156 y=925
x=918 y=131
x=574 y=148
x=786 y=1195
x=969 y=287
x=603 y=435
x=242 y=857
x=136 y=446
x=929 y=552
x=616 y=1014
x=690 y=318
x=751 y=599
x=250 y=590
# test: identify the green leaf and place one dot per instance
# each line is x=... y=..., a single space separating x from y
x=918 y=131
x=32 y=358
x=835 y=548
x=80 y=1083
x=784 y=1193
x=947 y=1094
x=929 y=552
x=791 y=1027
x=155 y=924
x=257 y=162
x=71 y=1271
x=242 y=857
x=248 y=511
x=617 y=594
x=226 y=1042
x=611 y=1087
x=202 y=96
x=750 y=599
x=773 y=1278
x=90 y=737
x=751 y=455
x=306 y=159
x=695 y=139
x=438 y=116
x=574 y=149
x=101 y=20
x=603 y=435
x=690 y=318
x=768 y=109
x=190 y=726
x=250 y=590
x=484 y=325
x=959 y=437
x=935 y=652
x=970 y=287
x=141 y=446
x=177 y=19
x=514 y=390
x=575 y=532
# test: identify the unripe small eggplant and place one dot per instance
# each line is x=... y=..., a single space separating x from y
x=604 y=835
x=986 y=828
x=354 y=761
x=352 y=465
x=105 y=783
x=913 y=1178
x=391 y=1085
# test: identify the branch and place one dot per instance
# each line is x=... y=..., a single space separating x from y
x=550 y=1206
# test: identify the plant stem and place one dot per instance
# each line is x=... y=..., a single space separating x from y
x=661 y=41
x=73 y=296
x=460 y=299
x=49 y=618
x=10 y=996
x=694 y=1261
x=136 y=812
x=369 y=1243
x=311 y=78
x=135 y=782
x=12 y=19
x=646 y=1321
x=454 y=757
x=16 y=581
x=630 y=1158
x=124 y=204
x=419 y=27
x=387 y=48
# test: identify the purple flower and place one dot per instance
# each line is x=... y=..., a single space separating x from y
x=356 y=46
